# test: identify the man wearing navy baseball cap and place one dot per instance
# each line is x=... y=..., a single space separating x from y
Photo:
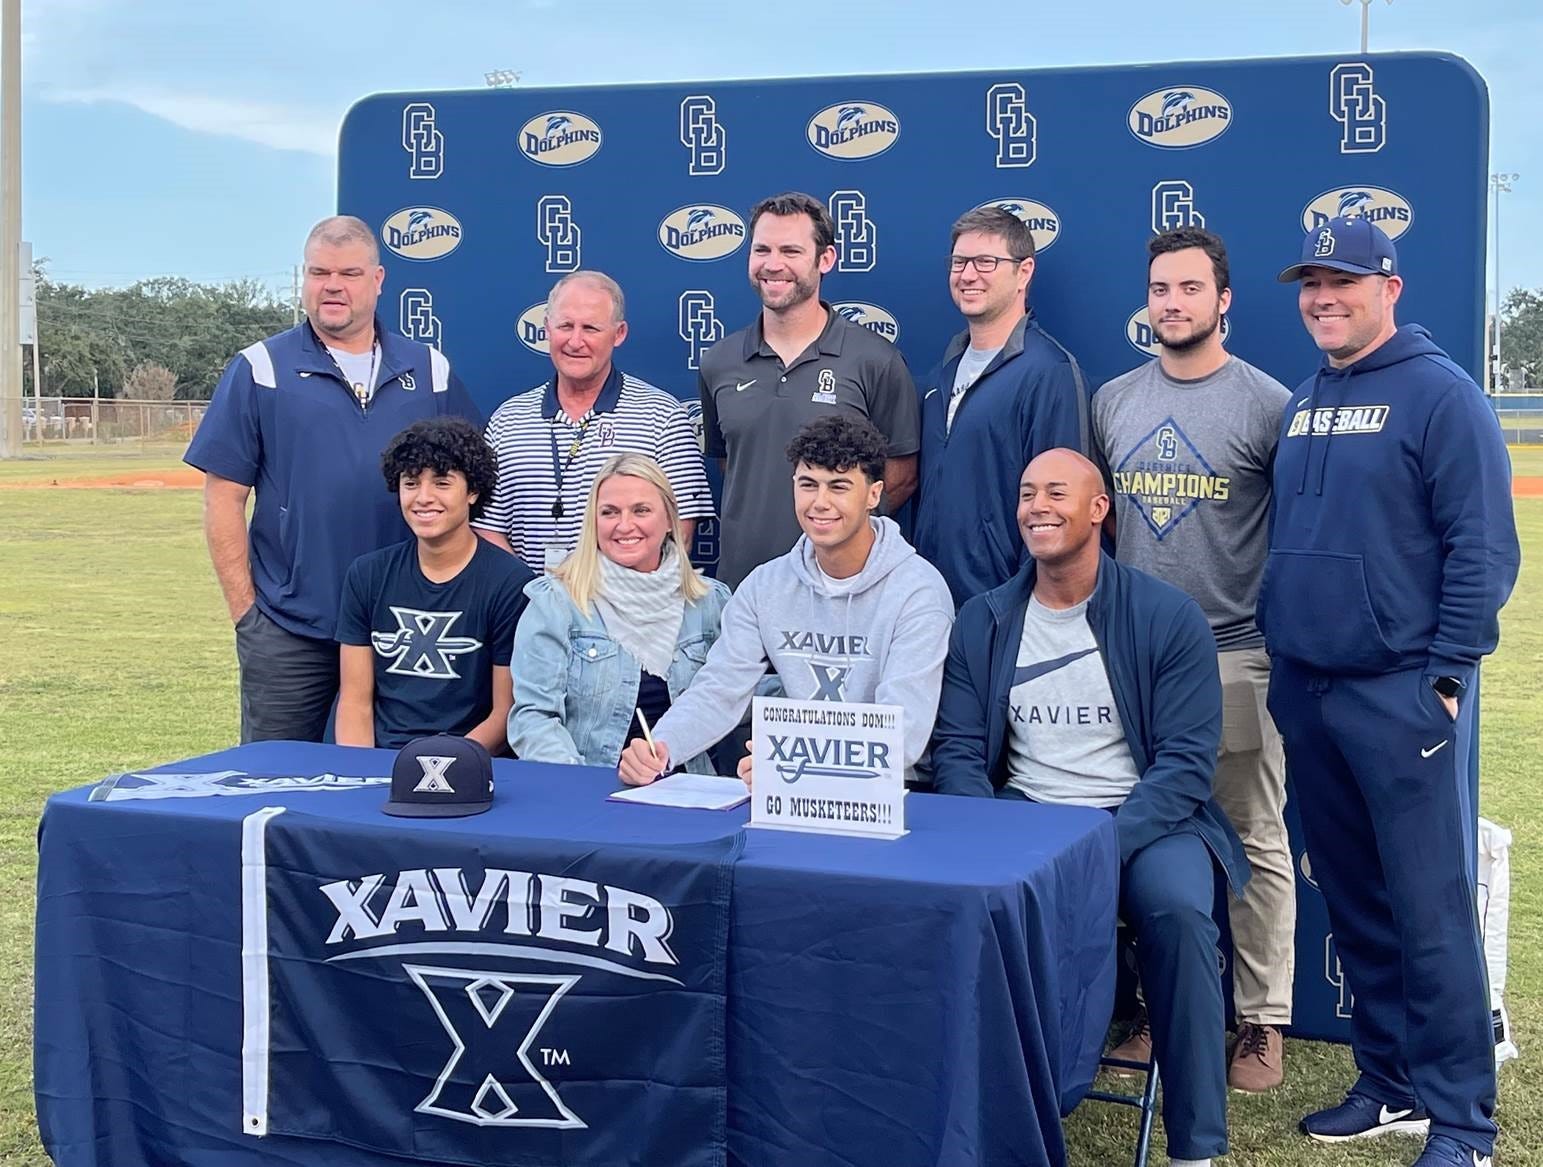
x=1392 y=551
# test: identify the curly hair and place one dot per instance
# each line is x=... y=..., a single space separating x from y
x=442 y=444
x=839 y=442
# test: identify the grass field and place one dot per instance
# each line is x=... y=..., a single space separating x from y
x=115 y=652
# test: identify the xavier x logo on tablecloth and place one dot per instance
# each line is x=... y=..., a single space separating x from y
x=503 y=1001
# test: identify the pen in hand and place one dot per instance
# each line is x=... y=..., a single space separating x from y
x=648 y=736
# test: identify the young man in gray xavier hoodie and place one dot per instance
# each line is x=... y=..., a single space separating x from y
x=851 y=613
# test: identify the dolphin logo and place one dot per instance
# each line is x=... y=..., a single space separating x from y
x=1353 y=200
x=558 y=121
x=418 y=219
x=1176 y=99
x=699 y=217
x=849 y=113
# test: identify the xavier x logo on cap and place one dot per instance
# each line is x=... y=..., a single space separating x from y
x=441 y=777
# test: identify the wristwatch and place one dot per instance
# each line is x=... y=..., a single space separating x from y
x=1447 y=686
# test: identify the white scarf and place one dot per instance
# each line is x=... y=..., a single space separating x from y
x=642 y=610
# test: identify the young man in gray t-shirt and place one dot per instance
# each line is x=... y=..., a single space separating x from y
x=1189 y=442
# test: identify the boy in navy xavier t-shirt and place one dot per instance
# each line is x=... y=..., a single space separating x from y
x=426 y=627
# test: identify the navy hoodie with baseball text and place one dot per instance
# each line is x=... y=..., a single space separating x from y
x=1393 y=539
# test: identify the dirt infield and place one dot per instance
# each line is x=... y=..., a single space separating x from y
x=185 y=478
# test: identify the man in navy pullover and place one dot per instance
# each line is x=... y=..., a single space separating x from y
x=1081 y=680
x=1005 y=391
x=1393 y=547
x=302 y=417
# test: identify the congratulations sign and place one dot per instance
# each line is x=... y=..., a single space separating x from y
x=829 y=767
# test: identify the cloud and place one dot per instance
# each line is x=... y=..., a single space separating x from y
x=270 y=124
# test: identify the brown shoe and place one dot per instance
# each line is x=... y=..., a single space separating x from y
x=1137 y=1047
x=1256 y=1059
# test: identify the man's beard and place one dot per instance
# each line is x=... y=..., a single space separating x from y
x=1194 y=340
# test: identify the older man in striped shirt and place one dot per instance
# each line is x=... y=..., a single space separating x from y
x=553 y=439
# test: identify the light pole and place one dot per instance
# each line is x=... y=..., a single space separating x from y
x=10 y=228
x=1366 y=10
x=1500 y=184
x=502 y=78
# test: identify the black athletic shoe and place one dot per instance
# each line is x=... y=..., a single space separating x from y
x=1361 y=1117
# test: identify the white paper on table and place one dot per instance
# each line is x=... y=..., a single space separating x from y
x=698 y=791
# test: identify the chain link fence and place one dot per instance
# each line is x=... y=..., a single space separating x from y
x=54 y=421
x=1521 y=417
x=88 y=421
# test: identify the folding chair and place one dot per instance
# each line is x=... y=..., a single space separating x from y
x=1146 y=1101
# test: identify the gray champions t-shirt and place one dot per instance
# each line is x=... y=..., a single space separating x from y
x=1191 y=464
x=1065 y=742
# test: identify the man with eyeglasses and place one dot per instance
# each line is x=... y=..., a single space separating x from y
x=1004 y=392
x=799 y=360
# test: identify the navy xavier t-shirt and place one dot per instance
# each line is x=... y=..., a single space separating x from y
x=435 y=644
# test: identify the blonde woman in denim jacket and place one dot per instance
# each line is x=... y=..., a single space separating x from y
x=623 y=624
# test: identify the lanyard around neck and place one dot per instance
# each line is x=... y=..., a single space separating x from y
x=560 y=467
x=363 y=391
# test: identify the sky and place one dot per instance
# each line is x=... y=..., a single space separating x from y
x=183 y=137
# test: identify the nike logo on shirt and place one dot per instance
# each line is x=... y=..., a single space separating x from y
x=1030 y=672
x=1432 y=750
x=742 y=387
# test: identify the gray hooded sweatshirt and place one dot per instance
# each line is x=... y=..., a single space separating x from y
x=880 y=636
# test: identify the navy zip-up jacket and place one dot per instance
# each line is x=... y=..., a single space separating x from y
x=1031 y=398
x=1393 y=538
x=283 y=420
x=1160 y=656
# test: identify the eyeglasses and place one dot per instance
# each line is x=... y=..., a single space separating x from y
x=985 y=264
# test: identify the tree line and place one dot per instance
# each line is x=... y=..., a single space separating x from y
x=159 y=339
x=169 y=338
x=1521 y=337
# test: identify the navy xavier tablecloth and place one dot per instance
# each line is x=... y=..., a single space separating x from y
x=938 y=999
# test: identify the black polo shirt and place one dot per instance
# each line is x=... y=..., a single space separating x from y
x=753 y=405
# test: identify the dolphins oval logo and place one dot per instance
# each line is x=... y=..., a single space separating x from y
x=870 y=316
x=1043 y=223
x=1138 y=330
x=1388 y=209
x=559 y=138
x=531 y=329
x=701 y=231
x=853 y=130
x=421 y=233
x=1179 y=117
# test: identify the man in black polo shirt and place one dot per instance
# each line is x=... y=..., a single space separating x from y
x=798 y=361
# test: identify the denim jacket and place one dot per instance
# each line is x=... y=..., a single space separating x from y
x=576 y=689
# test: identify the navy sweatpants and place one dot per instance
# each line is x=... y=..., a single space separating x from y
x=1167 y=890
x=1380 y=774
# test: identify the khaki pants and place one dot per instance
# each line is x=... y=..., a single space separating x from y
x=1251 y=789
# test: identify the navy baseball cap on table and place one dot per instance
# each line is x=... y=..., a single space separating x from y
x=1348 y=243
x=441 y=777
